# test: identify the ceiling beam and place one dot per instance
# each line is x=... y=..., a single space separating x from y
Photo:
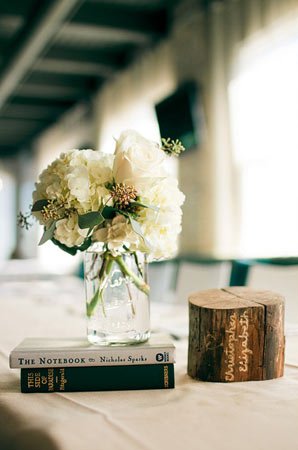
x=52 y=65
x=102 y=35
x=10 y=24
x=35 y=40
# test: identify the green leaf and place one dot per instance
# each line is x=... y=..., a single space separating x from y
x=137 y=229
x=73 y=250
x=143 y=205
x=109 y=212
x=48 y=233
x=39 y=204
x=90 y=220
x=87 y=242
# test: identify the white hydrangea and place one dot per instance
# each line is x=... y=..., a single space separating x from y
x=75 y=180
x=52 y=183
x=117 y=233
x=68 y=232
x=86 y=177
x=162 y=227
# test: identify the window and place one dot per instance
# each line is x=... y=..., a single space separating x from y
x=264 y=118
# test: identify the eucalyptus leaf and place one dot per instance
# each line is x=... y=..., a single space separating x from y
x=70 y=250
x=39 y=205
x=109 y=212
x=48 y=233
x=86 y=244
x=73 y=250
x=90 y=220
x=143 y=205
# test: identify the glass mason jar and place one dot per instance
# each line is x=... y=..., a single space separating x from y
x=117 y=297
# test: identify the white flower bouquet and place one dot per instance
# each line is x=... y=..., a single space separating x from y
x=126 y=201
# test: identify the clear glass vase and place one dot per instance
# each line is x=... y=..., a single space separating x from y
x=117 y=297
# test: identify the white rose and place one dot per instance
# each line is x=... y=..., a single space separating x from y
x=137 y=158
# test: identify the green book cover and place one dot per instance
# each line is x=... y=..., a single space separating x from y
x=102 y=378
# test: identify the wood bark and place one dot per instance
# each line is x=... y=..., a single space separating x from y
x=236 y=334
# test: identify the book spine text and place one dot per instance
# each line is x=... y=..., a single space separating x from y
x=106 y=378
x=109 y=357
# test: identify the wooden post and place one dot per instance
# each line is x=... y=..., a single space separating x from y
x=236 y=334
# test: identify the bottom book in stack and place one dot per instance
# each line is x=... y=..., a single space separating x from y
x=69 y=365
x=98 y=378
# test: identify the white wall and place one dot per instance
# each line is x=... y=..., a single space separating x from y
x=196 y=166
x=128 y=100
x=72 y=130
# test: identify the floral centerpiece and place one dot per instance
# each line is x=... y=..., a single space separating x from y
x=116 y=208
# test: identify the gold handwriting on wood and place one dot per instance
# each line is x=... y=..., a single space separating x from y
x=245 y=351
x=230 y=350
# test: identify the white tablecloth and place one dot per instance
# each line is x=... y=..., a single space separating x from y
x=194 y=415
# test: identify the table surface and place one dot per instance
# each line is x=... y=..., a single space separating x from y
x=194 y=415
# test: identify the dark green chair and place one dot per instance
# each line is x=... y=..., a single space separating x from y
x=241 y=268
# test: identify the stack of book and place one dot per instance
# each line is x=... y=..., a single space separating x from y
x=68 y=365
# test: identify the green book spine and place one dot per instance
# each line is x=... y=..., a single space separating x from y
x=103 y=378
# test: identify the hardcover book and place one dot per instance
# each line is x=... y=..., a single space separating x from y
x=77 y=352
x=105 y=378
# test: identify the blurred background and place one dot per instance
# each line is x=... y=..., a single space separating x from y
x=222 y=76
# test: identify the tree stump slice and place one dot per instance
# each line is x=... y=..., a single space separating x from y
x=236 y=334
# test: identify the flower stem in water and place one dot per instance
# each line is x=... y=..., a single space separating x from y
x=103 y=276
x=140 y=283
